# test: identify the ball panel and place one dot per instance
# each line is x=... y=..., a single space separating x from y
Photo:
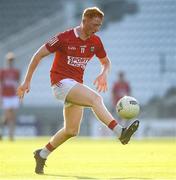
x=127 y=107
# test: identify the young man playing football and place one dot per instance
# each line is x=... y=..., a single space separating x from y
x=73 y=49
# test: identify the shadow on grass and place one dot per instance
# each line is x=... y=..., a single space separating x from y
x=85 y=177
x=134 y=178
x=65 y=176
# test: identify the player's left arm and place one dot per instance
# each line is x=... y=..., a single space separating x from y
x=101 y=80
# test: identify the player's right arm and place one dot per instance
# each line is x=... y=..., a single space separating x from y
x=35 y=60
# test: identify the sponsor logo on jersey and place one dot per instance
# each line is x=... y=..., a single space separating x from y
x=77 y=61
x=71 y=48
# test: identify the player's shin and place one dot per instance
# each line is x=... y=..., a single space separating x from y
x=59 y=138
x=105 y=116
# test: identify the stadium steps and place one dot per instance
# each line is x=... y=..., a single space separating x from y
x=134 y=45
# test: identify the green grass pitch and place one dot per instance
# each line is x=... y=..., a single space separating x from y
x=83 y=158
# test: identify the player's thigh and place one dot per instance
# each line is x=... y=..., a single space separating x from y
x=8 y=114
x=82 y=95
x=72 y=117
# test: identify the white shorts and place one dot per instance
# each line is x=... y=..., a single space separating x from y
x=10 y=102
x=62 y=88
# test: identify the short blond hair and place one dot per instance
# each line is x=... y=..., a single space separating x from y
x=10 y=56
x=92 y=12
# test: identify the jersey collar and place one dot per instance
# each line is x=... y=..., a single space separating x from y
x=75 y=32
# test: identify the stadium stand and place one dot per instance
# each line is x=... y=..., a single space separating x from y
x=134 y=45
x=16 y=15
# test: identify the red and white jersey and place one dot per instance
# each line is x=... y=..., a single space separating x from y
x=72 y=55
x=9 y=79
x=119 y=90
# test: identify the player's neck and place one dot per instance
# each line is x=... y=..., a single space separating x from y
x=9 y=67
x=81 y=33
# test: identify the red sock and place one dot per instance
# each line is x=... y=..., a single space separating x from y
x=49 y=147
x=112 y=124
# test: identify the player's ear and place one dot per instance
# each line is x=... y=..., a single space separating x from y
x=83 y=21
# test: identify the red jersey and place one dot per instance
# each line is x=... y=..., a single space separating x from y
x=72 y=55
x=119 y=90
x=9 y=79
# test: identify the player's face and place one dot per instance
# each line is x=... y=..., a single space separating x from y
x=10 y=63
x=92 y=25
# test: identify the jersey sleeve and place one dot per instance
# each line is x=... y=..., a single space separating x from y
x=100 y=51
x=54 y=43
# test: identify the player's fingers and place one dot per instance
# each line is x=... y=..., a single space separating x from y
x=27 y=90
x=100 y=86
x=97 y=86
x=21 y=98
x=105 y=87
x=21 y=95
x=20 y=92
x=100 y=89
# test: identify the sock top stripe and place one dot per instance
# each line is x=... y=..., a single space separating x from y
x=112 y=124
x=49 y=147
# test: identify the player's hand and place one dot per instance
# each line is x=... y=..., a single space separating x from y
x=22 y=89
x=101 y=83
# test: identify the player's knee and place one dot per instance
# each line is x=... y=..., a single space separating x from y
x=71 y=132
x=96 y=100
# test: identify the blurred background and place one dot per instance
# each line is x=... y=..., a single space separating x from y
x=139 y=37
